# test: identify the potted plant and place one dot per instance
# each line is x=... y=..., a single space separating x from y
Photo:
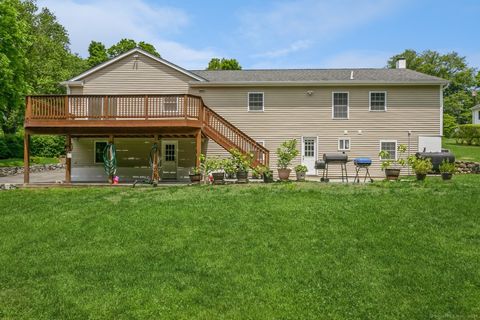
x=195 y=175
x=242 y=162
x=256 y=173
x=392 y=167
x=229 y=168
x=421 y=166
x=285 y=154
x=301 y=170
x=212 y=167
x=447 y=169
x=265 y=172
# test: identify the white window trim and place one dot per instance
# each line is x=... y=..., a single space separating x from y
x=396 y=149
x=349 y=144
x=95 y=150
x=348 y=105
x=263 y=101
x=370 y=101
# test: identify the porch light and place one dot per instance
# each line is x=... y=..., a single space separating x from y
x=345 y=132
x=360 y=132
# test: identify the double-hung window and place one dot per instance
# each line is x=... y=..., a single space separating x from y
x=99 y=147
x=390 y=146
x=378 y=101
x=255 y=101
x=343 y=144
x=340 y=105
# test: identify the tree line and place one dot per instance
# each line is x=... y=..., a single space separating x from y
x=35 y=56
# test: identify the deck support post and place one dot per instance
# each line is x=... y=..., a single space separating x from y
x=68 y=159
x=198 y=145
x=111 y=141
x=156 y=156
x=26 y=157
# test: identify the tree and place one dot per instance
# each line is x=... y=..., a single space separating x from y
x=452 y=67
x=14 y=40
x=128 y=44
x=224 y=64
x=97 y=54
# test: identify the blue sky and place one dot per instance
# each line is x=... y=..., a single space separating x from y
x=277 y=34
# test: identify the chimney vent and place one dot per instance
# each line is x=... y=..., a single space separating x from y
x=401 y=63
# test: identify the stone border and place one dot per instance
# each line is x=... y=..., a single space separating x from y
x=467 y=166
x=11 y=171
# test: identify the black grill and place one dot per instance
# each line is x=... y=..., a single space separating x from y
x=333 y=158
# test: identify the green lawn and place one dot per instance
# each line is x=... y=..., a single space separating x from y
x=399 y=250
x=19 y=162
x=462 y=152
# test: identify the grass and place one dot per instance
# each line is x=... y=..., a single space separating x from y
x=462 y=152
x=399 y=250
x=14 y=162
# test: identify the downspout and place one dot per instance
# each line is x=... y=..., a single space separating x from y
x=442 y=88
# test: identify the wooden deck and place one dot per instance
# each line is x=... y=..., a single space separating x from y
x=133 y=115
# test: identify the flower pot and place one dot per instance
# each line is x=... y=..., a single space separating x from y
x=392 y=174
x=446 y=175
x=284 y=174
x=268 y=178
x=300 y=176
x=195 y=178
x=218 y=177
x=421 y=176
x=242 y=176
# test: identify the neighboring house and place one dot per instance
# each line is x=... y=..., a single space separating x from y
x=137 y=99
x=476 y=114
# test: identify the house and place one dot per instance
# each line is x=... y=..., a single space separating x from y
x=137 y=101
x=476 y=114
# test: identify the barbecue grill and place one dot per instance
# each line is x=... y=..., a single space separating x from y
x=338 y=159
x=362 y=163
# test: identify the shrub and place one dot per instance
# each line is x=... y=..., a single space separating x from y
x=301 y=168
x=47 y=146
x=286 y=153
x=11 y=146
x=449 y=125
x=468 y=133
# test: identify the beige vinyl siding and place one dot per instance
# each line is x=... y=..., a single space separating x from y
x=131 y=76
x=291 y=113
x=76 y=90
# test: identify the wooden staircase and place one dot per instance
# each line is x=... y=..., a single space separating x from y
x=230 y=137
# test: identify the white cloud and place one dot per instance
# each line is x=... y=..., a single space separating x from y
x=108 y=21
x=358 y=59
x=294 y=47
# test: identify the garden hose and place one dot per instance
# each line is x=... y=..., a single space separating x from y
x=110 y=160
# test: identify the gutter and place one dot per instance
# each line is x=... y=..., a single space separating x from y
x=310 y=83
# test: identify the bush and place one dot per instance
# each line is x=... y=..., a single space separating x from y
x=468 y=133
x=47 y=146
x=11 y=146
x=449 y=125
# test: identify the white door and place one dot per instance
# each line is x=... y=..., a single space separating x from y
x=309 y=151
x=169 y=159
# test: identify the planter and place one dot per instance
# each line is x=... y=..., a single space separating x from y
x=268 y=178
x=218 y=177
x=421 y=176
x=300 y=176
x=446 y=176
x=242 y=176
x=392 y=174
x=195 y=178
x=284 y=174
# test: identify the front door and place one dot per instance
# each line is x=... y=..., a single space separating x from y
x=309 y=149
x=169 y=159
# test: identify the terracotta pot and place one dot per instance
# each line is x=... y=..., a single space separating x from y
x=242 y=176
x=195 y=178
x=218 y=177
x=268 y=178
x=446 y=175
x=421 y=176
x=300 y=176
x=284 y=174
x=392 y=174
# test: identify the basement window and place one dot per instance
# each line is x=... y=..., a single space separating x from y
x=99 y=147
x=343 y=144
x=255 y=101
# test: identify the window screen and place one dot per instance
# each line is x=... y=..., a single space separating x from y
x=378 y=101
x=255 y=101
x=391 y=148
x=340 y=105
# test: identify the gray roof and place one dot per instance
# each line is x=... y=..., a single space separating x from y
x=319 y=75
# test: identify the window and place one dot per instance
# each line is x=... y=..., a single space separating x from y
x=340 y=105
x=255 y=101
x=343 y=144
x=99 y=147
x=378 y=101
x=170 y=152
x=389 y=146
x=171 y=104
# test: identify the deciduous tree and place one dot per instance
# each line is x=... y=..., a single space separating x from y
x=224 y=64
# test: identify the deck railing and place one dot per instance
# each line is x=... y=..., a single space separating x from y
x=111 y=107
x=144 y=107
